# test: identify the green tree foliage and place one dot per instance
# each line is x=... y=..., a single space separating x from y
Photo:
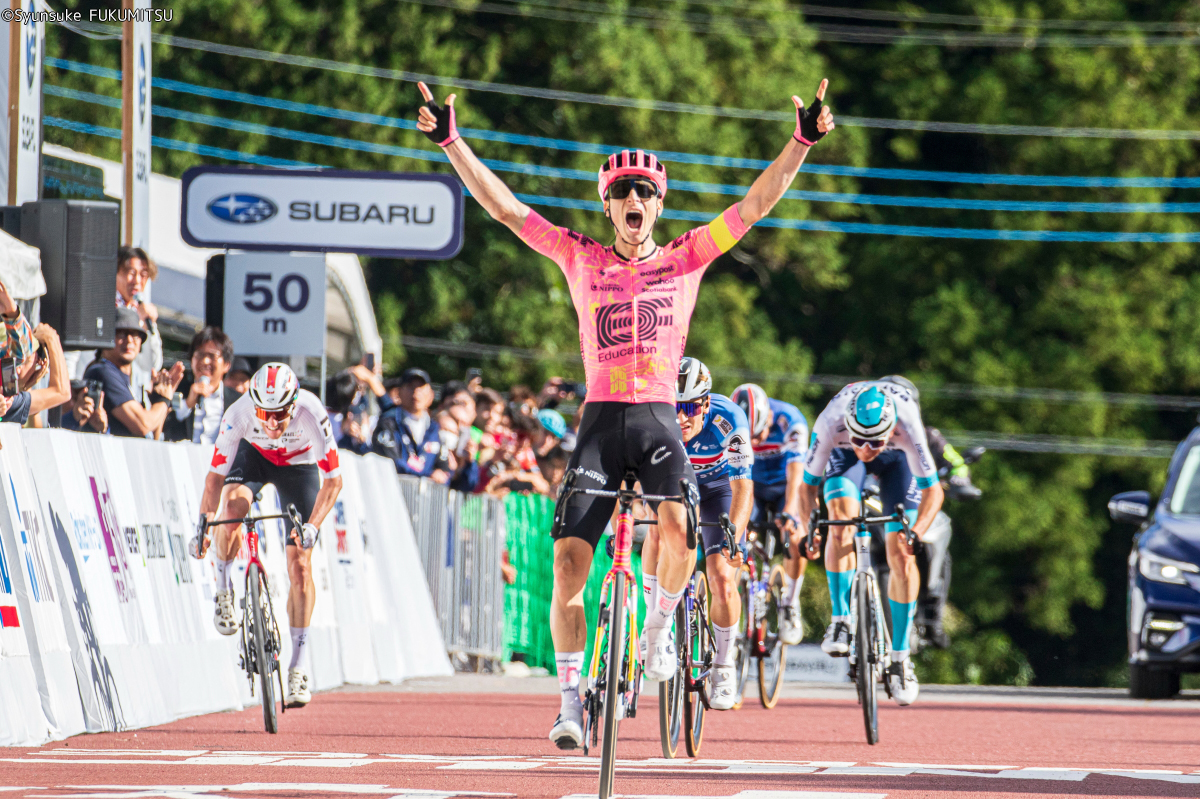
x=1039 y=569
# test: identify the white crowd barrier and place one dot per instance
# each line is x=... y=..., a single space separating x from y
x=106 y=622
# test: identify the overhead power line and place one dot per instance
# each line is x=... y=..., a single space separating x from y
x=925 y=17
x=983 y=234
x=679 y=185
x=655 y=105
x=1061 y=445
x=601 y=13
x=971 y=178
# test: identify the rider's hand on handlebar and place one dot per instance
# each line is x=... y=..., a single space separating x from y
x=308 y=535
x=199 y=543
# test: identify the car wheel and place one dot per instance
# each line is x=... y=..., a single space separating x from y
x=1148 y=683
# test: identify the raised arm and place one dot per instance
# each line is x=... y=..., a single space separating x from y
x=811 y=126
x=437 y=122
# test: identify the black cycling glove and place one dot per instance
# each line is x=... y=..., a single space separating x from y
x=445 y=133
x=806 y=124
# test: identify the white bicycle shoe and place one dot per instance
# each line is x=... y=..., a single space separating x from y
x=902 y=679
x=791 y=626
x=662 y=660
x=567 y=732
x=837 y=640
x=723 y=688
x=298 y=694
x=224 y=618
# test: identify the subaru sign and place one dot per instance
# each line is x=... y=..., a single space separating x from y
x=385 y=214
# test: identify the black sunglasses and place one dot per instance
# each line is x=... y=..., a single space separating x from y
x=619 y=189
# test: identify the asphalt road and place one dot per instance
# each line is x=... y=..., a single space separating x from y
x=485 y=736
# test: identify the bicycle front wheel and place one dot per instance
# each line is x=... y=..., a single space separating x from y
x=264 y=658
x=771 y=665
x=743 y=641
x=614 y=668
x=867 y=662
x=698 y=663
x=670 y=699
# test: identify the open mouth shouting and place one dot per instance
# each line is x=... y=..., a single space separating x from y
x=634 y=221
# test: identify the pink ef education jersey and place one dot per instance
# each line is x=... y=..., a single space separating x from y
x=308 y=439
x=633 y=315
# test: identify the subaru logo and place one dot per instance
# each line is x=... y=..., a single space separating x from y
x=242 y=209
x=31 y=46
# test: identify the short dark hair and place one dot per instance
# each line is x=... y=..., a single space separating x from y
x=213 y=335
x=485 y=398
x=453 y=388
x=340 y=391
x=127 y=254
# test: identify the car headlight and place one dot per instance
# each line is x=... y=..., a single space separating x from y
x=1164 y=570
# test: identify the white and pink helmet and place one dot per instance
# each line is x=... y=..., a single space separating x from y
x=274 y=387
x=632 y=163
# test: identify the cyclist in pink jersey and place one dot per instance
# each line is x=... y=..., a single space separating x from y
x=634 y=300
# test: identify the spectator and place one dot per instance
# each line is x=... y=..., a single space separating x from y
x=554 y=467
x=239 y=374
x=18 y=343
x=557 y=389
x=455 y=415
x=49 y=358
x=523 y=399
x=514 y=466
x=551 y=430
x=135 y=270
x=196 y=415
x=350 y=408
x=406 y=433
x=87 y=411
x=113 y=370
x=489 y=415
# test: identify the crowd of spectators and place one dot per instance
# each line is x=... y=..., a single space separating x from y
x=461 y=434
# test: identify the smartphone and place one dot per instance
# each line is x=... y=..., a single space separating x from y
x=520 y=485
x=369 y=361
x=474 y=372
x=8 y=376
x=94 y=388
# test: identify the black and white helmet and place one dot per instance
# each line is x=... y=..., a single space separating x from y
x=753 y=400
x=695 y=381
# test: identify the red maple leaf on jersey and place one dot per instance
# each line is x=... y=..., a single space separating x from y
x=218 y=459
x=280 y=457
x=330 y=461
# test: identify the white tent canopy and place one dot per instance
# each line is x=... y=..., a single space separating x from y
x=21 y=268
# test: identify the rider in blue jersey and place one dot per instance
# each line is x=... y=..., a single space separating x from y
x=716 y=437
x=779 y=436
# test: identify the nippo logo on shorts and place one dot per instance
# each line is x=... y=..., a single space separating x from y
x=615 y=322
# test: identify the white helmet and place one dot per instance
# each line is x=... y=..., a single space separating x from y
x=694 y=383
x=871 y=413
x=753 y=400
x=274 y=387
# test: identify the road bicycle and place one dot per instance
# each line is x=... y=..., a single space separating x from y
x=614 y=677
x=870 y=645
x=683 y=699
x=761 y=588
x=261 y=644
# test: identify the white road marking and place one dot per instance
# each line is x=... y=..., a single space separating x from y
x=195 y=791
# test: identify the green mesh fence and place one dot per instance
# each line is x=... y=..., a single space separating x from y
x=527 y=601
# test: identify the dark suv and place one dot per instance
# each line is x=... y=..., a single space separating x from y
x=1164 y=577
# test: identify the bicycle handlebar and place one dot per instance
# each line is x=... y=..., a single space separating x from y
x=291 y=513
x=900 y=516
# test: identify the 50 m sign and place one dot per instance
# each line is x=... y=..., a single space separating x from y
x=275 y=303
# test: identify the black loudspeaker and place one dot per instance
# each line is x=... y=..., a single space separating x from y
x=78 y=240
x=214 y=291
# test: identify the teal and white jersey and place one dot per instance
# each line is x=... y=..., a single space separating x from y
x=830 y=433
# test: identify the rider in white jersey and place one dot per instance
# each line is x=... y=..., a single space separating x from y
x=276 y=433
x=873 y=428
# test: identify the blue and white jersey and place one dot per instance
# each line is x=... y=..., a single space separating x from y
x=830 y=432
x=784 y=443
x=721 y=450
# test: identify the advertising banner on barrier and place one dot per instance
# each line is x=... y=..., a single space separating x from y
x=37 y=589
x=415 y=617
x=351 y=599
x=197 y=665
